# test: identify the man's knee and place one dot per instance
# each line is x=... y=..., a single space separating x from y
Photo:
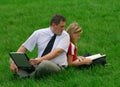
x=45 y=68
x=49 y=66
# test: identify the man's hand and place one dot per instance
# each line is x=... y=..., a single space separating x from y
x=13 y=67
x=35 y=61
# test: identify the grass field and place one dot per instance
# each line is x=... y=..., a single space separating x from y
x=100 y=20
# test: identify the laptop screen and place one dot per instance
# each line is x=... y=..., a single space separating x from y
x=20 y=59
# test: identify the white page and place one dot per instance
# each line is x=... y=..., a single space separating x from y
x=92 y=57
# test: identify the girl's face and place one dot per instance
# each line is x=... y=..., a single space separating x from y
x=76 y=36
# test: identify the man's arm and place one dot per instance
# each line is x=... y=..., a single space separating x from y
x=22 y=49
x=49 y=56
x=13 y=66
x=52 y=54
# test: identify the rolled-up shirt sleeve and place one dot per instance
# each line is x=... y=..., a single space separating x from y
x=64 y=43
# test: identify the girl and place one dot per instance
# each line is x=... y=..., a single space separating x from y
x=74 y=30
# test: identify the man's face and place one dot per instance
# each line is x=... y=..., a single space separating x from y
x=58 y=29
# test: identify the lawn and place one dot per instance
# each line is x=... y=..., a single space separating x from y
x=100 y=21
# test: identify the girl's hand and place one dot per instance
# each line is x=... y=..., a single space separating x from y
x=81 y=58
x=87 y=61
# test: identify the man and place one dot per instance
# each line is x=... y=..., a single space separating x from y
x=56 y=59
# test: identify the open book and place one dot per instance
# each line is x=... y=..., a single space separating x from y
x=92 y=57
x=95 y=56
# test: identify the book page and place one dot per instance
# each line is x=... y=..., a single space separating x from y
x=92 y=57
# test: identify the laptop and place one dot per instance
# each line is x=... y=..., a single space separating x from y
x=22 y=61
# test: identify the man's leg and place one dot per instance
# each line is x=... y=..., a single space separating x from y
x=46 y=68
x=22 y=73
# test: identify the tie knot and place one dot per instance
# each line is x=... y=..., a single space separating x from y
x=54 y=36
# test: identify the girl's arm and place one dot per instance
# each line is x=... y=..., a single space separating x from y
x=77 y=62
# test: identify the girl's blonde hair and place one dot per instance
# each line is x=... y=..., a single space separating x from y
x=73 y=28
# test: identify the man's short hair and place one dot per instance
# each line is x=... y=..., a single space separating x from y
x=56 y=19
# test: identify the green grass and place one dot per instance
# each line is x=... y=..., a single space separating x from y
x=100 y=21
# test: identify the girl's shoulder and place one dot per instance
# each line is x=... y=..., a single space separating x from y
x=71 y=45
